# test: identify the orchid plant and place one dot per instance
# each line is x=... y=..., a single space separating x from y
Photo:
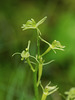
x=38 y=58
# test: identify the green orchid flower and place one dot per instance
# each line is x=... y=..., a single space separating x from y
x=70 y=94
x=55 y=45
x=31 y=24
x=25 y=53
x=48 y=90
x=25 y=56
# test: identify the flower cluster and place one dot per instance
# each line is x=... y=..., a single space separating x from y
x=38 y=58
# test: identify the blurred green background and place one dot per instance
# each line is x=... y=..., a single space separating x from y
x=16 y=81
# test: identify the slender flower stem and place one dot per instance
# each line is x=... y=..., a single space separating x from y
x=36 y=69
x=35 y=83
x=46 y=51
x=28 y=61
x=38 y=42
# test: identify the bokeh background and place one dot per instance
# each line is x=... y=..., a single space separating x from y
x=16 y=81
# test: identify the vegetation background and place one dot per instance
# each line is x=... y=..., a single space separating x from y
x=16 y=82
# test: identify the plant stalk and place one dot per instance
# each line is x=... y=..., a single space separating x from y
x=44 y=96
x=35 y=84
x=36 y=68
x=38 y=42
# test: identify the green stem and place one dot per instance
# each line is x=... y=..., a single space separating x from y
x=35 y=83
x=36 y=68
x=39 y=73
x=44 y=96
x=28 y=61
x=38 y=42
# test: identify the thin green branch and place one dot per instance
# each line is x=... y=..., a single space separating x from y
x=31 y=62
x=16 y=54
x=34 y=58
x=28 y=61
x=44 y=41
x=48 y=62
x=38 y=43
